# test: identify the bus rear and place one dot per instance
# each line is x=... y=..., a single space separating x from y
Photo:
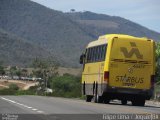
x=130 y=69
x=119 y=67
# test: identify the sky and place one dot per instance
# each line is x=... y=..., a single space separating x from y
x=143 y=12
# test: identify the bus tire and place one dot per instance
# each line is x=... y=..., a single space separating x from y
x=138 y=102
x=124 y=102
x=106 y=101
x=84 y=89
x=89 y=98
x=98 y=99
x=141 y=102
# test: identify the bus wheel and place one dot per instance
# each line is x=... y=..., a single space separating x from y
x=106 y=101
x=89 y=98
x=138 y=102
x=124 y=102
x=98 y=99
x=141 y=102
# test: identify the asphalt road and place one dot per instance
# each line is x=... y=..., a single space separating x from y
x=53 y=108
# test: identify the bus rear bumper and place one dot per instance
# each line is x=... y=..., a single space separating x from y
x=128 y=92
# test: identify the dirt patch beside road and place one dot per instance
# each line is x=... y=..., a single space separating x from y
x=23 y=85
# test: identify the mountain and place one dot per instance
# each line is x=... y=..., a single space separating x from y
x=99 y=24
x=61 y=35
x=16 y=51
x=50 y=29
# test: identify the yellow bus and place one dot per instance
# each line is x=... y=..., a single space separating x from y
x=119 y=67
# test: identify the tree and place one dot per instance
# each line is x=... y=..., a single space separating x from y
x=24 y=72
x=66 y=86
x=2 y=71
x=158 y=61
x=13 y=70
x=72 y=10
x=44 y=69
x=18 y=73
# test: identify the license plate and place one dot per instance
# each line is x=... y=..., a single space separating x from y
x=128 y=84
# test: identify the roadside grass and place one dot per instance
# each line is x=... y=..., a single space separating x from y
x=67 y=86
x=157 y=93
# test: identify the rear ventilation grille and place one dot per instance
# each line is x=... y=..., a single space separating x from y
x=130 y=61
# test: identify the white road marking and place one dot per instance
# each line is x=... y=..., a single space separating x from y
x=12 y=101
x=20 y=104
x=25 y=106
x=29 y=107
x=40 y=111
x=34 y=109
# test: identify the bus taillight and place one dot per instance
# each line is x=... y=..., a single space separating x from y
x=106 y=76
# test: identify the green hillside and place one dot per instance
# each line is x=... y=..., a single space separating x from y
x=16 y=51
x=60 y=35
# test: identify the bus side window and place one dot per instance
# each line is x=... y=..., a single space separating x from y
x=98 y=53
x=86 y=55
x=103 y=52
x=91 y=55
x=94 y=54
